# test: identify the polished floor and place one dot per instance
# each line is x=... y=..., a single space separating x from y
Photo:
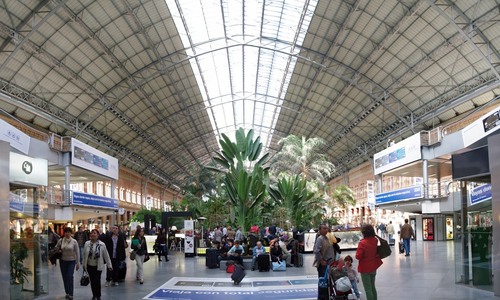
x=429 y=273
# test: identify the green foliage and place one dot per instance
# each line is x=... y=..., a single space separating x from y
x=292 y=194
x=244 y=177
x=139 y=216
x=18 y=253
x=343 y=197
x=301 y=156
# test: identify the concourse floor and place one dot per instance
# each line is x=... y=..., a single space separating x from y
x=428 y=273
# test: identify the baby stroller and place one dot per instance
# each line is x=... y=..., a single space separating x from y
x=337 y=292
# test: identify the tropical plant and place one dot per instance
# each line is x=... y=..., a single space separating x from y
x=245 y=178
x=292 y=193
x=18 y=253
x=301 y=156
x=343 y=197
x=139 y=216
x=201 y=183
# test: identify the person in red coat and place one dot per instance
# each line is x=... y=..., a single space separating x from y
x=369 y=261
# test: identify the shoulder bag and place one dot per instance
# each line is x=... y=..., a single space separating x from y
x=383 y=249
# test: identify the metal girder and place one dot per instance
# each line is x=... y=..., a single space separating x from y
x=453 y=98
x=452 y=22
x=114 y=60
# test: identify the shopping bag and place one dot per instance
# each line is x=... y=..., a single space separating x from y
x=323 y=281
x=279 y=266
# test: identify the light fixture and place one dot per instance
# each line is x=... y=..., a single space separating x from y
x=174 y=228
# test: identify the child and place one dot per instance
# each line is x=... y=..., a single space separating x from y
x=351 y=274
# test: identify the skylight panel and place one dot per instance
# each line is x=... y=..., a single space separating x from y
x=233 y=70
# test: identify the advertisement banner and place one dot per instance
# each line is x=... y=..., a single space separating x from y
x=86 y=157
x=189 y=237
x=397 y=155
x=409 y=193
x=94 y=200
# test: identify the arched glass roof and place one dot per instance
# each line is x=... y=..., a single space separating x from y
x=155 y=83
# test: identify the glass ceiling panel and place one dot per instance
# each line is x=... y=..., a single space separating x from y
x=242 y=85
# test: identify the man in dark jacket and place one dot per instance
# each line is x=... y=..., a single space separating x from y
x=115 y=244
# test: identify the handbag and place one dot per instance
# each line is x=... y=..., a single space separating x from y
x=323 y=281
x=279 y=266
x=146 y=257
x=383 y=250
x=343 y=284
x=85 y=280
x=132 y=255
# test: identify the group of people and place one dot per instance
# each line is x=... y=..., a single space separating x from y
x=366 y=254
x=95 y=252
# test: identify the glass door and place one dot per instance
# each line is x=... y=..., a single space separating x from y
x=28 y=236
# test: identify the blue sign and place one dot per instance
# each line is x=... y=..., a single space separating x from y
x=241 y=294
x=24 y=207
x=480 y=194
x=94 y=200
x=409 y=193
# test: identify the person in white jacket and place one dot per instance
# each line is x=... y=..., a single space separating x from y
x=93 y=253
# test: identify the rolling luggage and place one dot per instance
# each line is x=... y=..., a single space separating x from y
x=298 y=260
x=401 y=248
x=238 y=274
x=263 y=263
x=122 y=271
x=211 y=260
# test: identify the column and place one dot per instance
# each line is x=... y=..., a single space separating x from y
x=425 y=178
x=115 y=211
x=493 y=153
x=67 y=175
x=4 y=217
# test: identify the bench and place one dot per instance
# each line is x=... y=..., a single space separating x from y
x=247 y=263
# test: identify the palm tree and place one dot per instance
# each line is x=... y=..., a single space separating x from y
x=245 y=179
x=343 y=197
x=301 y=156
x=292 y=194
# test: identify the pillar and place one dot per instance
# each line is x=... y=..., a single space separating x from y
x=425 y=177
x=494 y=153
x=4 y=218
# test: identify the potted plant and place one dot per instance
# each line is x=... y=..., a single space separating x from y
x=18 y=272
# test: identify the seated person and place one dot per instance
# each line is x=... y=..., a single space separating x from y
x=276 y=252
x=257 y=250
x=236 y=252
x=223 y=250
x=286 y=254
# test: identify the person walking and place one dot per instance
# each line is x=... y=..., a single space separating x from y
x=81 y=237
x=115 y=244
x=323 y=256
x=369 y=261
x=390 y=231
x=93 y=254
x=161 y=244
x=69 y=258
x=405 y=235
x=141 y=251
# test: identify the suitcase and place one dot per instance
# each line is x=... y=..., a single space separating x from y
x=298 y=260
x=401 y=248
x=392 y=242
x=211 y=258
x=238 y=274
x=122 y=271
x=263 y=263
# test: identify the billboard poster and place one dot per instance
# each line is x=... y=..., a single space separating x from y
x=189 y=237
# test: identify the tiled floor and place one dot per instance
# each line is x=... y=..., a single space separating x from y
x=429 y=273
